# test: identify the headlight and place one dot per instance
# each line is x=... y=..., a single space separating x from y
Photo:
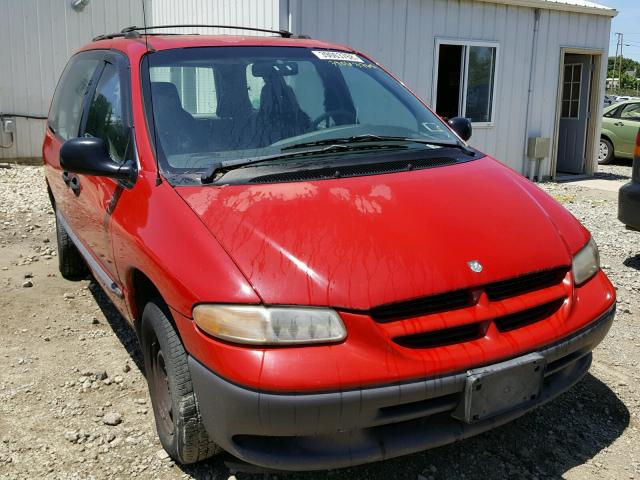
x=586 y=263
x=258 y=325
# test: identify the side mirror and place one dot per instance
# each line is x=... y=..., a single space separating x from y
x=90 y=156
x=462 y=126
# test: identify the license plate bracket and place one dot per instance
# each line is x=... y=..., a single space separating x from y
x=499 y=388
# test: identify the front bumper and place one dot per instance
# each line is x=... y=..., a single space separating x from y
x=345 y=428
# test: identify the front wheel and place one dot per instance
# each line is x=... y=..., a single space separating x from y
x=175 y=406
x=605 y=152
x=70 y=262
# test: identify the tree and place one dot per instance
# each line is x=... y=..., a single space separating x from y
x=628 y=64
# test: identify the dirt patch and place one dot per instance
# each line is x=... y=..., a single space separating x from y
x=74 y=403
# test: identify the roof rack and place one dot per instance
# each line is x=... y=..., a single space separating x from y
x=134 y=32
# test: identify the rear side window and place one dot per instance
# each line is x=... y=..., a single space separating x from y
x=66 y=107
x=105 y=117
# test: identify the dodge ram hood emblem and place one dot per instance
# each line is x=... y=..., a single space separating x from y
x=475 y=266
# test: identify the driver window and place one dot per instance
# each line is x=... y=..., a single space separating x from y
x=631 y=112
x=105 y=115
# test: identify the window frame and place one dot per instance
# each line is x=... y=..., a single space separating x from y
x=613 y=113
x=462 y=102
x=623 y=108
x=121 y=63
x=571 y=99
x=97 y=55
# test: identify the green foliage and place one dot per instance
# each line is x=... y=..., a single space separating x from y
x=627 y=64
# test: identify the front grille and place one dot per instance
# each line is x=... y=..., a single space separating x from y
x=422 y=306
x=364 y=169
x=525 y=283
x=527 y=317
x=447 y=336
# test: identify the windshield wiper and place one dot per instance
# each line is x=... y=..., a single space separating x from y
x=378 y=138
x=332 y=147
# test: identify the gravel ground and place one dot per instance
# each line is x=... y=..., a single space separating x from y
x=74 y=404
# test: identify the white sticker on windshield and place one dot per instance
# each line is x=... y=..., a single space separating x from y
x=333 y=55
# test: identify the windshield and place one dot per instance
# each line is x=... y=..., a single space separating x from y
x=217 y=104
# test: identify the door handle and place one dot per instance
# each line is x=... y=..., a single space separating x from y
x=619 y=124
x=74 y=184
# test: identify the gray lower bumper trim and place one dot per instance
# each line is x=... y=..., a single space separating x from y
x=339 y=429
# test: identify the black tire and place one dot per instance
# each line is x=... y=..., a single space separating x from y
x=175 y=406
x=606 y=153
x=70 y=262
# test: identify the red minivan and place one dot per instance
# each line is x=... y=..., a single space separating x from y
x=320 y=270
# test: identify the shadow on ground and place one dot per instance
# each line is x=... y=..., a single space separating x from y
x=545 y=443
x=633 y=262
x=620 y=162
x=118 y=324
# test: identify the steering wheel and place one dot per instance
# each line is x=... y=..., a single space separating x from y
x=328 y=115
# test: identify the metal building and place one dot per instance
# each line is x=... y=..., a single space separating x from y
x=530 y=74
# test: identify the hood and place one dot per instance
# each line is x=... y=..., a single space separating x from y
x=360 y=242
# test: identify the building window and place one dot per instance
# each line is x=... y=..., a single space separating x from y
x=465 y=83
x=571 y=90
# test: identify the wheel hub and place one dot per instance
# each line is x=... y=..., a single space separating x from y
x=603 y=152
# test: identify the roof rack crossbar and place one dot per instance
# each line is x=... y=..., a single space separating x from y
x=282 y=33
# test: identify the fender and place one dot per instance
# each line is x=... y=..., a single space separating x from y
x=162 y=237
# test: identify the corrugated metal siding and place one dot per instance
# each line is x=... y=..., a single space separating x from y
x=40 y=36
x=569 y=30
x=250 y=13
x=402 y=34
x=37 y=39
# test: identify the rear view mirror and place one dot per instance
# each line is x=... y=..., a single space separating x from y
x=90 y=156
x=462 y=126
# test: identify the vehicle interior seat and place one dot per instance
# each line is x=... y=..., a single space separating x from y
x=234 y=127
x=279 y=115
x=173 y=121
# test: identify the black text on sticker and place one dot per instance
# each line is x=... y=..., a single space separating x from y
x=333 y=55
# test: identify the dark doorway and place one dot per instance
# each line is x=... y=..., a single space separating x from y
x=449 y=80
x=575 y=113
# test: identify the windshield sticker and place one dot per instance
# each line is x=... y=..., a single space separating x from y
x=333 y=55
x=342 y=63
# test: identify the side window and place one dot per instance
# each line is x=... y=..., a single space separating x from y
x=631 y=112
x=105 y=118
x=66 y=107
x=385 y=110
x=612 y=113
x=196 y=87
